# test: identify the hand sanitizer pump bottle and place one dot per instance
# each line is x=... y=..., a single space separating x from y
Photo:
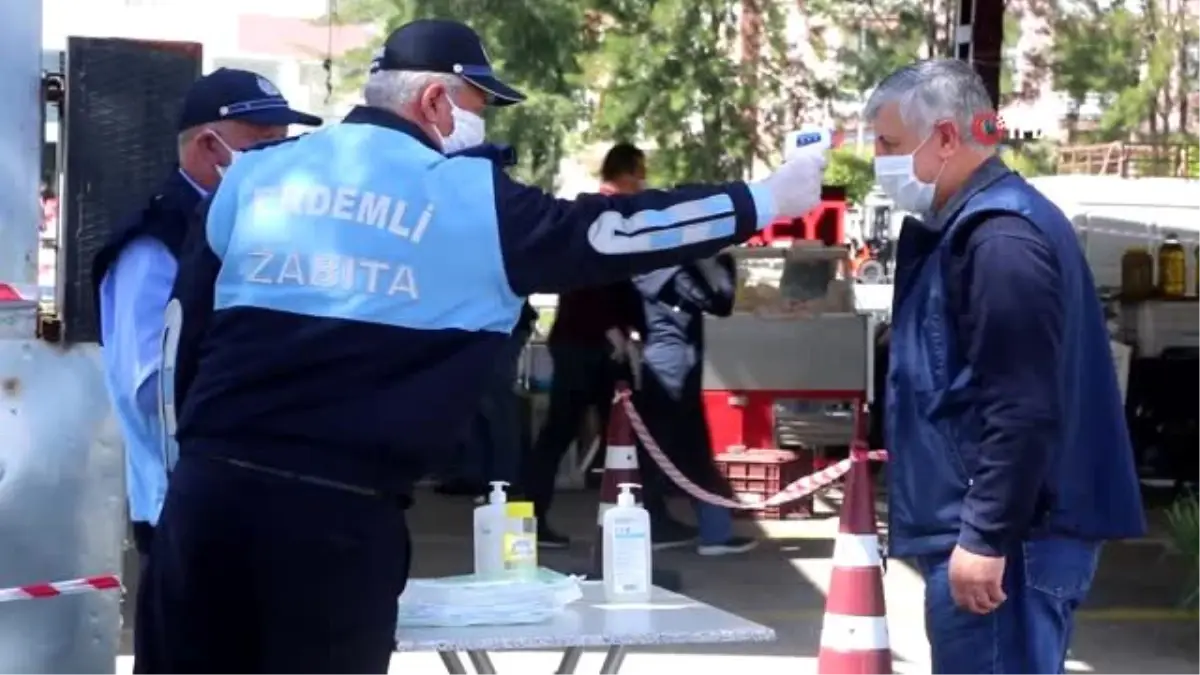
x=626 y=534
x=490 y=523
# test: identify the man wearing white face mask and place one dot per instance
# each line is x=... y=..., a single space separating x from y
x=223 y=112
x=1010 y=459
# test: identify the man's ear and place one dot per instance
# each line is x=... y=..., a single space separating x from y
x=948 y=137
x=431 y=98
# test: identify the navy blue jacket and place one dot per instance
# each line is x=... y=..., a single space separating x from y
x=372 y=405
x=165 y=218
x=674 y=302
x=1004 y=419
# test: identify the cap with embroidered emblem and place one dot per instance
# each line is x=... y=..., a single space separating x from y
x=442 y=46
x=231 y=94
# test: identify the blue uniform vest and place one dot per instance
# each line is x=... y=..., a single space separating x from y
x=1091 y=490
x=354 y=260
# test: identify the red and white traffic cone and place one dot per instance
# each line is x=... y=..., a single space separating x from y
x=854 y=636
x=620 y=466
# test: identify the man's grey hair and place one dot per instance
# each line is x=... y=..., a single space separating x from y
x=395 y=89
x=186 y=136
x=932 y=91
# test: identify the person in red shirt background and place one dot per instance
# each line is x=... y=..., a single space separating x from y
x=588 y=345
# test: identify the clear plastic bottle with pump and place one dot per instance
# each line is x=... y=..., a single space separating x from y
x=490 y=525
x=627 y=550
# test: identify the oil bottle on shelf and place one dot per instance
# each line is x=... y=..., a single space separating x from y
x=1172 y=268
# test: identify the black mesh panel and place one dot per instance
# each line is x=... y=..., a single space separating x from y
x=121 y=129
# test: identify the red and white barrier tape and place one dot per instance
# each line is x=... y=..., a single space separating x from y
x=107 y=582
x=796 y=490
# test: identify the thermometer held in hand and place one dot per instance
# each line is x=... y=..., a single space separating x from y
x=807 y=139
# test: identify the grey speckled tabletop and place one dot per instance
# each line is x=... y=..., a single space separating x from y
x=668 y=619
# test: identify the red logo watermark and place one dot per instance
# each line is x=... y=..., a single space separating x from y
x=988 y=128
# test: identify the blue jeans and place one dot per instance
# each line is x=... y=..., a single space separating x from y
x=714 y=522
x=1045 y=581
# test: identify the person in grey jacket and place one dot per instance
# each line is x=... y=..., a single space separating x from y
x=675 y=300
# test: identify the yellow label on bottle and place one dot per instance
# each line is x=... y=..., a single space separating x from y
x=520 y=550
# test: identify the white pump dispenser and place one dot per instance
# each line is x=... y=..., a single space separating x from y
x=490 y=521
x=627 y=550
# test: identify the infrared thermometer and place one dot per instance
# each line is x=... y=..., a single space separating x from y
x=807 y=139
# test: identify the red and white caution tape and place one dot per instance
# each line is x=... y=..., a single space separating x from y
x=794 y=491
x=107 y=582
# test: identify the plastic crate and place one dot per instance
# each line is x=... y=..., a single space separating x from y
x=755 y=475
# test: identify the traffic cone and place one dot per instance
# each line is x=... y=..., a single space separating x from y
x=854 y=635
x=620 y=466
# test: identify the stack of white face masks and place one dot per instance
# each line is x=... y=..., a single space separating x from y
x=453 y=602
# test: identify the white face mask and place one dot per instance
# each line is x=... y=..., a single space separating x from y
x=469 y=130
x=233 y=155
x=896 y=175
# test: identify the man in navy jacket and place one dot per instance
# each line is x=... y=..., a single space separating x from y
x=1010 y=458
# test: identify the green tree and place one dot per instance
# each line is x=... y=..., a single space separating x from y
x=853 y=171
x=537 y=46
x=1029 y=159
x=1012 y=33
x=1097 y=50
x=880 y=37
x=665 y=75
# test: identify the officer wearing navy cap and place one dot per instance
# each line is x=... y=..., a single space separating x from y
x=224 y=112
x=342 y=309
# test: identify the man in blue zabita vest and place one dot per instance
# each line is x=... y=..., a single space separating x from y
x=1010 y=459
x=341 y=309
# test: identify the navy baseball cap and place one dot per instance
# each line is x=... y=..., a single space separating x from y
x=441 y=46
x=230 y=94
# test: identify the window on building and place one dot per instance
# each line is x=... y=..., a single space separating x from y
x=265 y=67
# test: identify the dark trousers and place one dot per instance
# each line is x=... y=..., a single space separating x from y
x=143 y=539
x=583 y=377
x=1045 y=581
x=493 y=448
x=676 y=420
x=255 y=573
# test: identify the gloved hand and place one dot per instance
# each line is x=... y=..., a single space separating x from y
x=796 y=186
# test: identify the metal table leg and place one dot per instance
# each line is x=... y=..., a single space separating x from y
x=570 y=660
x=454 y=665
x=613 y=660
x=481 y=662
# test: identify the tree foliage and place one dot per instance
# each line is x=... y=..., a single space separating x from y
x=879 y=37
x=852 y=170
x=1029 y=159
x=666 y=76
x=536 y=46
x=1137 y=61
x=654 y=71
